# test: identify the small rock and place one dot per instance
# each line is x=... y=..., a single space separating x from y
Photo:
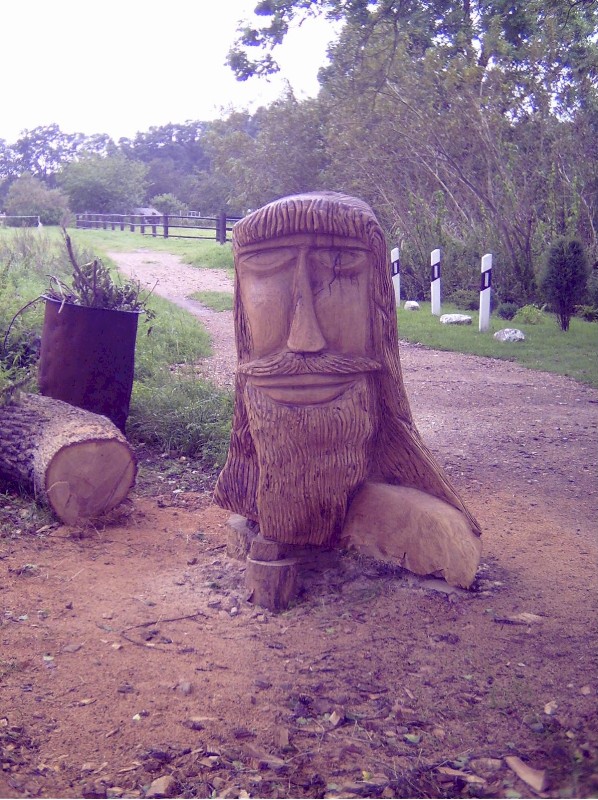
x=114 y=791
x=551 y=708
x=411 y=305
x=194 y=723
x=125 y=688
x=234 y=611
x=586 y=690
x=336 y=718
x=184 y=687
x=92 y=790
x=455 y=319
x=166 y=786
x=509 y=335
x=485 y=766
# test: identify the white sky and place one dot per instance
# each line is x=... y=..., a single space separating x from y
x=123 y=66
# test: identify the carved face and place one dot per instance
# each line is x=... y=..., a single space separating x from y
x=306 y=294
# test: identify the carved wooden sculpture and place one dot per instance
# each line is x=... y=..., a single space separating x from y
x=323 y=448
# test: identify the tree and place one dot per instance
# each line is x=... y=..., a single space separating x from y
x=168 y=204
x=44 y=150
x=112 y=185
x=28 y=196
x=472 y=127
x=564 y=282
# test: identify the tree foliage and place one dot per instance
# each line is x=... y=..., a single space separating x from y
x=114 y=184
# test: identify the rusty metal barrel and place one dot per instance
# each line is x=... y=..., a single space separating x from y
x=87 y=358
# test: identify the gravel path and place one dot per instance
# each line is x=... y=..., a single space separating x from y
x=176 y=281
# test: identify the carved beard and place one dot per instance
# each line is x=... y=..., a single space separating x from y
x=311 y=461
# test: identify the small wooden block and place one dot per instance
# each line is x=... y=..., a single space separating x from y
x=267 y=549
x=273 y=584
x=240 y=537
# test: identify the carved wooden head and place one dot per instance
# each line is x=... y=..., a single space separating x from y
x=320 y=404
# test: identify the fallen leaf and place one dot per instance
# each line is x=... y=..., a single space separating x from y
x=536 y=778
x=458 y=773
x=412 y=738
x=523 y=618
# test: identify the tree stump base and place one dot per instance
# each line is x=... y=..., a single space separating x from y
x=273 y=584
x=274 y=588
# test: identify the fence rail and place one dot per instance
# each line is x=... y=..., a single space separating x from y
x=173 y=226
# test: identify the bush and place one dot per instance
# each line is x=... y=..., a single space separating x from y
x=529 y=315
x=507 y=310
x=589 y=313
x=565 y=278
x=28 y=196
x=467 y=299
x=592 y=291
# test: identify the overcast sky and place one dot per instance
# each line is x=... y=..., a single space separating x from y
x=123 y=66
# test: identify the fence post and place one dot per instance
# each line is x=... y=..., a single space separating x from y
x=485 y=290
x=132 y=223
x=395 y=270
x=154 y=227
x=221 y=228
x=435 y=281
x=122 y=222
x=141 y=224
x=165 y=225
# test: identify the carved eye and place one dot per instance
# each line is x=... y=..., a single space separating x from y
x=267 y=262
x=341 y=261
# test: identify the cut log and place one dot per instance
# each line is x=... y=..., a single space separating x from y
x=273 y=584
x=76 y=462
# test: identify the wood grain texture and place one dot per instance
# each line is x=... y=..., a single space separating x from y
x=76 y=462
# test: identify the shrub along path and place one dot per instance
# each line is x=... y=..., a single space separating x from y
x=130 y=653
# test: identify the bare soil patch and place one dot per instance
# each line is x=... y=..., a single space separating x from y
x=130 y=653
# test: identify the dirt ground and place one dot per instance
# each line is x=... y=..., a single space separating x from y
x=132 y=664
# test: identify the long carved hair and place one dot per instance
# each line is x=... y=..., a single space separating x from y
x=398 y=456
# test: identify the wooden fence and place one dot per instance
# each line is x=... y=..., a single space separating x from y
x=172 y=226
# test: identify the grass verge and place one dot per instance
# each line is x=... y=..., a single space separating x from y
x=545 y=348
x=217 y=301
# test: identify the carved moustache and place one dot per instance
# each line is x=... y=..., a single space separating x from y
x=287 y=363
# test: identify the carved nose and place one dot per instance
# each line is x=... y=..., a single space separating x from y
x=305 y=335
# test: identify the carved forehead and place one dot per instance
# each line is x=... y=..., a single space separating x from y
x=322 y=241
x=319 y=213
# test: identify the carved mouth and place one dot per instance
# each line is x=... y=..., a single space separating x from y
x=304 y=389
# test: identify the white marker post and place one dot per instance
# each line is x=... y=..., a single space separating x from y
x=435 y=281
x=485 y=290
x=395 y=271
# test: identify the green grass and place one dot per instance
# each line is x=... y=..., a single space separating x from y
x=203 y=253
x=217 y=301
x=545 y=348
